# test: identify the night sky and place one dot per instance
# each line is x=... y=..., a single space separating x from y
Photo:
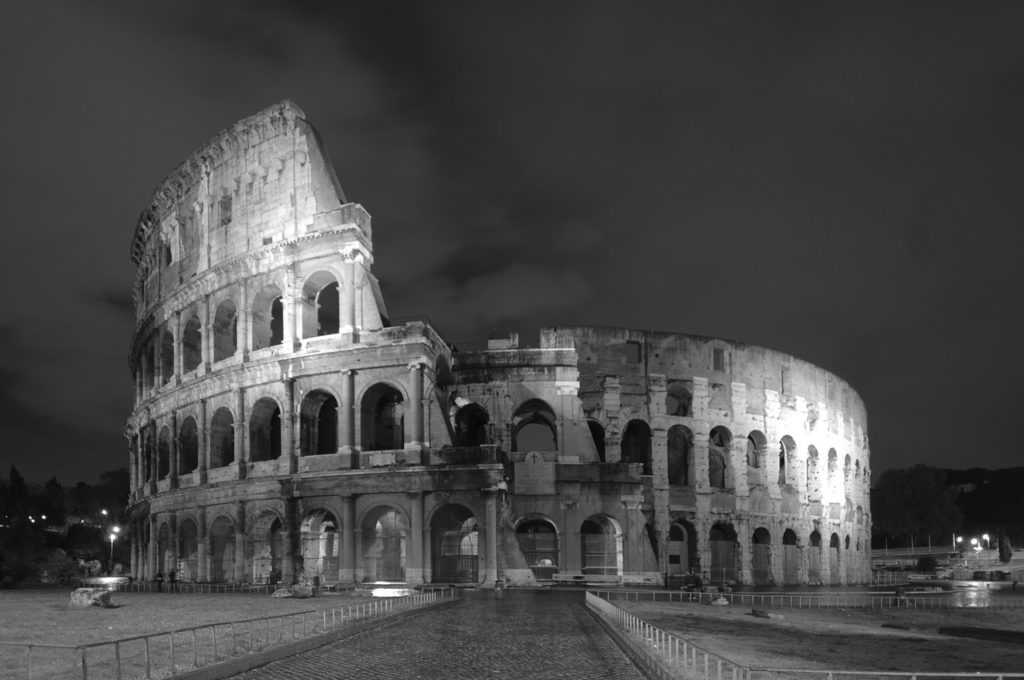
x=839 y=182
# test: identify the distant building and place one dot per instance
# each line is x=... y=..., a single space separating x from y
x=284 y=429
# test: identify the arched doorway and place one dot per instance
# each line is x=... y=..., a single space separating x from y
x=383 y=421
x=814 y=559
x=265 y=430
x=761 y=557
x=188 y=551
x=384 y=534
x=222 y=550
x=833 y=559
x=538 y=541
x=471 y=425
x=682 y=548
x=318 y=547
x=318 y=423
x=534 y=427
x=680 y=455
x=455 y=548
x=600 y=546
x=790 y=558
x=636 y=445
x=267 y=549
x=723 y=553
x=164 y=555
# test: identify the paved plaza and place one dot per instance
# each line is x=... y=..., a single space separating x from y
x=516 y=634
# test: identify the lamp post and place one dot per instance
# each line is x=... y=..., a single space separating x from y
x=114 y=530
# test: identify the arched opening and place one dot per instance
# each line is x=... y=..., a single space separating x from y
x=538 y=541
x=455 y=549
x=267 y=318
x=833 y=559
x=723 y=553
x=786 y=448
x=192 y=344
x=790 y=558
x=534 y=427
x=222 y=550
x=225 y=331
x=846 y=474
x=267 y=549
x=814 y=559
x=833 y=463
x=320 y=308
x=265 y=430
x=188 y=551
x=163 y=453
x=471 y=425
x=761 y=557
x=682 y=548
x=756 y=442
x=636 y=445
x=148 y=446
x=813 y=481
x=719 y=442
x=384 y=535
x=188 y=446
x=166 y=357
x=164 y=553
x=680 y=455
x=678 y=399
x=319 y=550
x=222 y=438
x=383 y=419
x=318 y=423
x=600 y=546
x=597 y=434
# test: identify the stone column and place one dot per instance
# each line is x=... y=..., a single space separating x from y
x=178 y=360
x=612 y=405
x=151 y=563
x=241 y=564
x=244 y=321
x=348 y=304
x=207 y=335
x=414 y=435
x=570 y=560
x=659 y=463
x=490 y=537
x=414 y=563
x=347 y=572
x=133 y=549
x=744 y=536
x=240 y=457
x=154 y=456
x=291 y=531
x=347 y=414
x=172 y=540
x=202 y=549
x=175 y=449
x=204 y=443
x=289 y=451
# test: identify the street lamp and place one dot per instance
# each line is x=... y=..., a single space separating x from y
x=114 y=530
x=987 y=545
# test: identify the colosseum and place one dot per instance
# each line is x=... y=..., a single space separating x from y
x=286 y=430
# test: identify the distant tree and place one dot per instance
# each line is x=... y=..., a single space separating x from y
x=914 y=504
x=17 y=494
x=1005 y=552
x=51 y=503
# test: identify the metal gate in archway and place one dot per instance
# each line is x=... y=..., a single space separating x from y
x=833 y=564
x=790 y=558
x=761 y=558
x=723 y=553
x=457 y=549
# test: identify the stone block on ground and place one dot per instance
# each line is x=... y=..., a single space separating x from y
x=765 y=614
x=294 y=591
x=90 y=597
x=719 y=601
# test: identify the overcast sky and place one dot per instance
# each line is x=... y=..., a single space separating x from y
x=841 y=182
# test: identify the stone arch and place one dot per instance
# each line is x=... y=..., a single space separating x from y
x=719 y=443
x=471 y=425
x=318 y=423
x=265 y=430
x=538 y=540
x=682 y=548
x=833 y=559
x=814 y=558
x=222 y=550
x=222 y=438
x=166 y=356
x=833 y=462
x=636 y=445
x=757 y=443
x=164 y=549
x=188 y=446
x=163 y=453
x=268 y=547
x=267 y=317
x=192 y=344
x=319 y=546
x=188 y=550
x=455 y=548
x=722 y=539
x=534 y=427
x=601 y=546
x=225 y=330
x=680 y=456
x=678 y=398
x=761 y=557
x=787 y=447
x=790 y=558
x=384 y=530
x=148 y=447
x=321 y=308
x=813 y=474
x=383 y=418
x=597 y=434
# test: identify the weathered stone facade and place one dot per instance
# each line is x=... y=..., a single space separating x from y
x=285 y=430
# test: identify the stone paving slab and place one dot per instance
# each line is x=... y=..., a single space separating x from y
x=515 y=634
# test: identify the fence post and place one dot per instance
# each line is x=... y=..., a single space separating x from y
x=117 y=660
x=171 y=636
x=195 y=650
x=147 y=658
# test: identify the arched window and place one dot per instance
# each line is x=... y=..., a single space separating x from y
x=455 y=545
x=682 y=548
x=813 y=481
x=723 y=552
x=321 y=310
x=166 y=356
x=268 y=548
x=319 y=546
x=761 y=556
x=533 y=427
x=192 y=344
x=383 y=419
x=318 y=423
x=188 y=551
x=267 y=318
x=814 y=559
x=222 y=438
x=719 y=442
x=636 y=445
x=678 y=399
x=222 y=550
x=188 y=446
x=225 y=331
x=680 y=455
x=597 y=433
x=471 y=425
x=163 y=452
x=786 y=448
x=756 y=444
x=265 y=430
x=384 y=545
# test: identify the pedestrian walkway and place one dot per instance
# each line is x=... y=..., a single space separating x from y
x=513 y=634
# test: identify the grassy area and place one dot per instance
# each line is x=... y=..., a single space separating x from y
x=842 y=639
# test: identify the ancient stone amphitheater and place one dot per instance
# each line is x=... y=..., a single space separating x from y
x=286 y=430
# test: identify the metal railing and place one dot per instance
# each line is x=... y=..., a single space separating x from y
x=873 y=600
x=665 y=655
x=161 y=655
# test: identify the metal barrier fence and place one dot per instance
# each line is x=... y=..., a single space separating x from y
x=161 y=655
x=874 y=600
x=665 y=655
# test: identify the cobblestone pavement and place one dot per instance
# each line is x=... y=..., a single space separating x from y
x=527 y=634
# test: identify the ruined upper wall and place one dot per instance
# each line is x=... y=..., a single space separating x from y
x=263 y=181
